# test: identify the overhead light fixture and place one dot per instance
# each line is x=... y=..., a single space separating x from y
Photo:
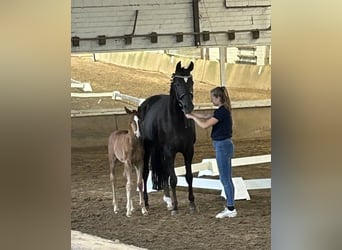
x=206 y=35
x=231 y=35
x=101 y=40
x=179 y=37
x=154 y=37
x=75 y=41
x=255 y=34
x=128 y=39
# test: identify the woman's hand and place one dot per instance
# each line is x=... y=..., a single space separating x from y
x=189 y=116
x=203 y=123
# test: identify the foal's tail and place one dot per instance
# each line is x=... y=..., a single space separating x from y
x=157 y=169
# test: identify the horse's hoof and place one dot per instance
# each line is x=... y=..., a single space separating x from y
x=128 y=215
x=168 y=202
x=174 y=212
x=192 y=209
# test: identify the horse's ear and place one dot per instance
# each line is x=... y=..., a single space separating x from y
x=127 y=110
x=191 y=66
x=179 y=66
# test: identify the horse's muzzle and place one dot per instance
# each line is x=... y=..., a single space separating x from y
x=187 y=109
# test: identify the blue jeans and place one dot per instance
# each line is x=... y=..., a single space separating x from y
x=224 y=152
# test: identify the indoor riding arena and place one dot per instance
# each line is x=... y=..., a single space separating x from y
x=100 y=67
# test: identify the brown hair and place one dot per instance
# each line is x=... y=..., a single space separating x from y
x=222 y=93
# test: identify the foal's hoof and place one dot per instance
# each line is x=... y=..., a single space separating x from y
x=174 y=212
x=144 y=211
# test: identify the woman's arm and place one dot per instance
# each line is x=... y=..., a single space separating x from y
x=203 y=123
x=201 y=115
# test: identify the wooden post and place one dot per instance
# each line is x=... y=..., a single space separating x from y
x=222 y=68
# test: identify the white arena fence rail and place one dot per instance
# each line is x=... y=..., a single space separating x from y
x=208 y=167
x=85 y=86
x=116 y=95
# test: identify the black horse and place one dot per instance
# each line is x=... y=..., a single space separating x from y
x=166 y=131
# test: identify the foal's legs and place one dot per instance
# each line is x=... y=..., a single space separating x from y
x=139 y=171
x=112 y=161
x=129 y=205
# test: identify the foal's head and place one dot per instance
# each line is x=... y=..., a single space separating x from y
x=182 y=87
x=133 y=122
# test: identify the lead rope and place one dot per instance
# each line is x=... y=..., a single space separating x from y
x=186 y=122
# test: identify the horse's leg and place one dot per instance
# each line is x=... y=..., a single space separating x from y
x=146 y=171
x=166 y=198
x=128 y=172
x=173 y=184
x=189 y=176
x=139 y=171
x=162 y=175
x=169 y=168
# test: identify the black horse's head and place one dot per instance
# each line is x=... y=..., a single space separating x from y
x=182 y=87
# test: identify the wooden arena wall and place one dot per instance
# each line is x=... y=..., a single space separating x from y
x=237 y=75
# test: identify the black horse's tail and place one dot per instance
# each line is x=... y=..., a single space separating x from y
x=158 y=174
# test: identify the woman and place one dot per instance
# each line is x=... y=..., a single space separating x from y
x=221 y=134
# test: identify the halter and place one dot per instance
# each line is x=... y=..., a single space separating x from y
x=185 y=78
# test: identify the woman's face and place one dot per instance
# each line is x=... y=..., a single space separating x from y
x=215 y=100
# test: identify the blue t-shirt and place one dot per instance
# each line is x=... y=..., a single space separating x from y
x=224 y=128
